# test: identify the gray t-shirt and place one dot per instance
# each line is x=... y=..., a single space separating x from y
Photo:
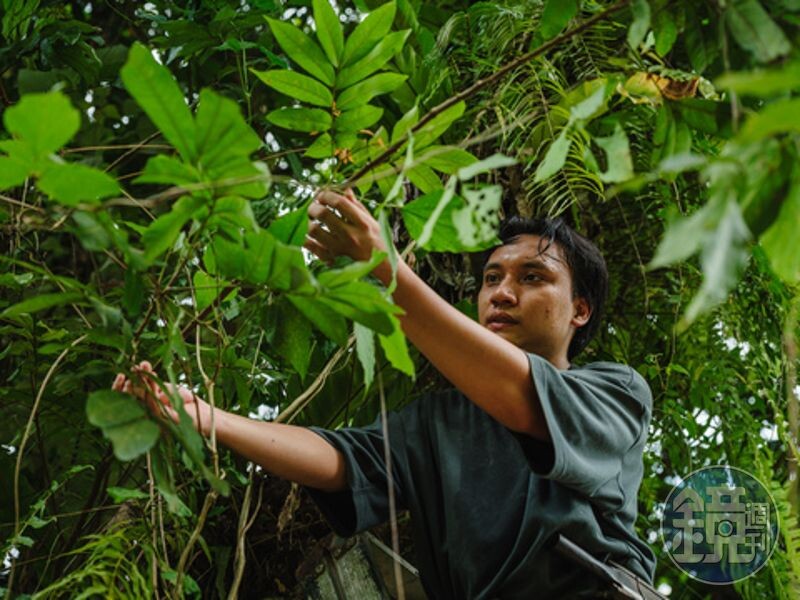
x=486 y=502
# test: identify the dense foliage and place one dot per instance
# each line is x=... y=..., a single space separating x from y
x=156 y=163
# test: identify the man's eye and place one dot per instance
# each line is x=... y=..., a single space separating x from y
x=531 y=277
x=490 y=278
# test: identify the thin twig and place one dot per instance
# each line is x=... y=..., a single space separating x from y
x=201 y=521
x=387 y=452
x=25 y=436
x=482 y=83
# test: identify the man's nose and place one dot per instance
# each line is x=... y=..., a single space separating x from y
x=503 y=293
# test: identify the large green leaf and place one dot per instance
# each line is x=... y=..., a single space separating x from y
x=168 y=169
x=368 y=33
x=296 y=118
x=365 y=351
x=780 y=240
x=477 y=223
x=434 y=128
x=221 y=132
x=358 y=118
x=329 y=30
x=555 y=158
x=322 y=317
x=373 y=61
x=70 y=183
x=162 y=233
x=429 y=220
x=762 y=82
x=292 y=227
x=295 y=85
x=157 y=92
x=777 y=117
x=45 y=121
x=640 y=9
x=302 y=50
x=12 y=172
x=556 y=15
x=361 y=93
x=352 y=272
x=293 y=338
x=396 y=349
x=723 y=258
x=362 y=302
x=124 y=421
x=618 y=156
x=755 y=31
x=41 y=302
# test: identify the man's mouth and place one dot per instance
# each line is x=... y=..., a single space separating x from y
x=500 y=321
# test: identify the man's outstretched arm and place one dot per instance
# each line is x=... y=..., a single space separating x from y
x=492 y=372
x=287 y=451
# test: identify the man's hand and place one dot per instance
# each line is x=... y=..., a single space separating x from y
x=144 y=386
x=342 y=226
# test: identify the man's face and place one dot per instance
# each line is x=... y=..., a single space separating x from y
x=526 y=298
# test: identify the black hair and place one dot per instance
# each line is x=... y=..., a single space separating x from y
x=586 y=264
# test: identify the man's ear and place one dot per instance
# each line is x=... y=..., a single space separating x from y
x=582 y=312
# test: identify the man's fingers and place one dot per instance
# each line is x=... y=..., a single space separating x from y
x=318 y=249
x=119 y=382
x=349 y=207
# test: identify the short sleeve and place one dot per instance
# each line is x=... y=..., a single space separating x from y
x=595 y=415
x=366 y=501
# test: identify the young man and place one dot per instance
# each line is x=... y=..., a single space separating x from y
x=523 y=448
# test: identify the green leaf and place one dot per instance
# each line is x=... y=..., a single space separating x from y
x=71 y=183
x=477 y=223
x=321 y=148
x=362 y=302
x=295 y=85
x=329 y=30
x=221 y=132
x=406 y=122
x=132 y=438
x=556 y=15
x=41 y=302
x=295 y=118
x=590 y=106
x=45 y=121
x=365 y=351
x=12 y=172
x=762 y=83
x=352 y=272
x=292 y=227
x=108 y=408
x=777 y=117
x=323 y=318
x=396 y=350
x=434 y=128
x=293 y=338
x=424 y=178
x=618 y=156
x=640 y=24
x=684 y=236
x=206 y=288
x=666 y=31
x=232 y=214
x=723 y=259
x=555 y=158
x=368 y=33
x=361 y=93
x=162 y=233
x=358 y=118
x=373 y=61
x=755 y=31
x=495 y=161
x=429 y=220
x=302 y=50
x=157 y=92
x=169 y=170
x=90 y=231
x=119 y=495
x=780 y=239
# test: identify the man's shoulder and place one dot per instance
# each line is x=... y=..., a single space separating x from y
x=625 y=376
